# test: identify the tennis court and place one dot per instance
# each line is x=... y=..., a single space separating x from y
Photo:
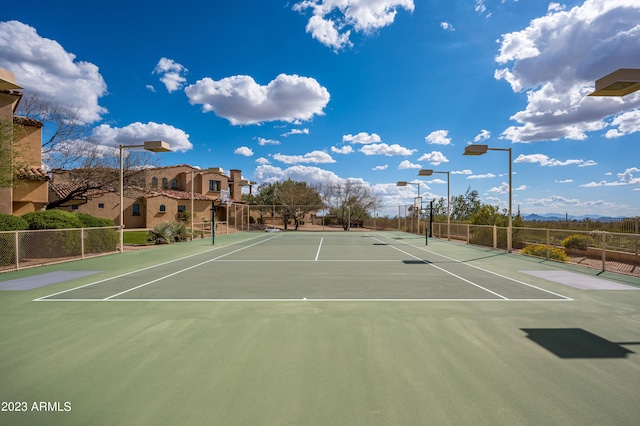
x=308 y=328
x=314 y=266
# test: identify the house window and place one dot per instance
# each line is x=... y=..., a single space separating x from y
x=101 y=205
x=136 y=209
x=214 y=185
x=182 y=209
x=165 y=183
x=163 y=208
x=154 y=182
x=174 y=183
x=74 y=207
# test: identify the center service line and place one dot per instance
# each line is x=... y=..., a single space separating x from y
x=319 y=247
x=448 y=272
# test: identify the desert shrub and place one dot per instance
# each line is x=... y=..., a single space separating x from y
x=89 y=221
x=52 y=219
x=12 y=223
x=55 y=244
x=539 y=250
x=167 y=233
x=577 y=242
x=8 y=241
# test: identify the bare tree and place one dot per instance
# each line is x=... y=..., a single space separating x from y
x=350 y=201
x=67 y=147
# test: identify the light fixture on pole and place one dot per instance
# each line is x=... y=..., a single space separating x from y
x=429 y=172
x=619 y=83
x=478 y=149
x=153 y=146
x=416 y=202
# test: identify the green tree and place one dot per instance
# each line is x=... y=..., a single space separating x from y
x=464 y=206
x=291 y=199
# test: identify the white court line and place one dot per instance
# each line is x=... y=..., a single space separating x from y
x=139 y=270
x=304 y=300
x=319 y=247
x=490 y=272
x=186 y=269
x=443 y=270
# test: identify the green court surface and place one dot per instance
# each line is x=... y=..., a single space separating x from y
x=319 y=328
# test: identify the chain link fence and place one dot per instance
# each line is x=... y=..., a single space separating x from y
x=25 y=249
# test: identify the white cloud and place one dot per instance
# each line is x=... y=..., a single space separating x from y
x=485 y=176
x=171 y=74
x=333 y=20
x=573 y=206
x=624 y=178
x=564 y=181
x=311 y=157
x=137 y=133
x=558 y=73
x=447 y=26
x=627 y=123
x=262 y=160
x=347 y=149
x=406 y=164
x=545 y=161
x=243 y=150
x=309 y=174
x=263 y=142
x=362 y=138
x=241 y=100
x=43 y=67
x=482 y=136
x=151 y=88
x=462 y=172
x=434 y=157
x=438 y=137
x=304 y=131
x=383 y=167
x=502 y=189
x=384 y=149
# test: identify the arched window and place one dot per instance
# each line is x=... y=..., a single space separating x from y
x=154 y=182
x=165 y=183
x=174 y=183
x=163 y=208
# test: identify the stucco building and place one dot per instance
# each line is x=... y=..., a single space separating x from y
x=23 y=183
x=159 y=195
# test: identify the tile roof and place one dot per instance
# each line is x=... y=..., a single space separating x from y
x=65 y=188
x=32 y=173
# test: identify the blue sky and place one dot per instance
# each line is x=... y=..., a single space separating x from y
x=322 y=90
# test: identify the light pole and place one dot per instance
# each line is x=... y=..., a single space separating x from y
x=477 y=149
x=417 y=201
x=429 y=172
x=153 y=146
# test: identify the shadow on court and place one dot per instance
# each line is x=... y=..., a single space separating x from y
x=577 y=343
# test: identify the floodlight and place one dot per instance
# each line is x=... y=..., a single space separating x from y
x=425 y=172
x=476 y=149
x=156 y=146
x=619 y=83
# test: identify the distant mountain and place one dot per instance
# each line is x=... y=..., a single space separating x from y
x=548 y=217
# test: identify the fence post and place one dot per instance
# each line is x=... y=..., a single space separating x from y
x=82 y=243
x=468 y=232
x=548 y=244
x=16 y=239
x=495 y=237
x=604 y=250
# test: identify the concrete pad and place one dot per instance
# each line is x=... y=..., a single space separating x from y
x=583 y=282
